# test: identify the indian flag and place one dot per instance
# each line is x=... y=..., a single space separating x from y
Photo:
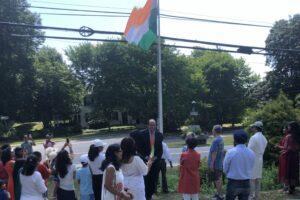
x=141 y=27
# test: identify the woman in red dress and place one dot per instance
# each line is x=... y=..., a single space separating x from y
x=189 y=179
x=282 y=158
x=8 y=163
x=291 y=150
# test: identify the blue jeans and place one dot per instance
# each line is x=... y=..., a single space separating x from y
x=238 y=188
x=87 y=197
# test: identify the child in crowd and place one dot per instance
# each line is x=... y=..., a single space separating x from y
x=43 y=168
x=189 y=179
x=4 y=195
x=84 y=178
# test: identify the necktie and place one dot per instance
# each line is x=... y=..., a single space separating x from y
x=152 y=141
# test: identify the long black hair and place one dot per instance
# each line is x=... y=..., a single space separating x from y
x=295 y=131
x=62 y=162
x=18 y=152
x=30 y=165
x=111 y=158
x=6 y=155
x=93 y=152
x=128 y=148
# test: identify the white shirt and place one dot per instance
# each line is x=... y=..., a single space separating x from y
x=166 y=152
x=258 y=144
x=67 y=183
x=133 y=177
x=33 y=187
x=238 y=163
x=96 y=164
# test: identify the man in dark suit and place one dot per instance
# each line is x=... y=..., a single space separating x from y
x=149 y=146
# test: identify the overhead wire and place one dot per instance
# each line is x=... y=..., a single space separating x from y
x=174 y=17
x=124 y=41
x=80 y=5
x=164 y=10
x=85 y=15
x=163 y=37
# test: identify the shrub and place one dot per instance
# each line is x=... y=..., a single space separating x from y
x=274 y=115
x=270 y=178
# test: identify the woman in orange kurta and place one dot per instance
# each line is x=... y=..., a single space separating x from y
x=189 y=180
x=8 y=163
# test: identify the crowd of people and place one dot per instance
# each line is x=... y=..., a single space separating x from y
x=130 y=170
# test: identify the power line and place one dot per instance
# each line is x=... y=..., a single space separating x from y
x=175 y=17
x=81 y=5
x=124 y=41
x=77 y=10
x=129 y=9
x=163 y=37
x=84 y=15
x=213 y=21
x=70 y=38
x=58 y=28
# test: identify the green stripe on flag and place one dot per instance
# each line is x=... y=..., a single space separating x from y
x=147 y=40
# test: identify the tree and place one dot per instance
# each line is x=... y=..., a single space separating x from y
x=285 y=75
x=58 y=92
x=227 y=81
x=123 y=77
x=16 y=69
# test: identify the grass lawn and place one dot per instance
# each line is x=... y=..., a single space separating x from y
x=228 y=140
x=205 y=194
x=265 y=195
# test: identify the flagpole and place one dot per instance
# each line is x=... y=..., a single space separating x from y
x=160 y=106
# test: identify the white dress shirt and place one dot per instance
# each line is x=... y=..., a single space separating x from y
x=166 y=152
x=238 y=163
x=258 y=144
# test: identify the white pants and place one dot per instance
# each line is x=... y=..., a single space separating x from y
x=190 y=196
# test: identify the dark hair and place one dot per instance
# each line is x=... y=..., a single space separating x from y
x=128 y=148
x=18 y=152
x=6 y=155
x=37 y=154
x=240 y=137
x=62 y=162
x=93 y=152
x=111 y=158
x=295 y=130
x=259 y=129
x=30 y=165
x=191 y=142
x=5 y=146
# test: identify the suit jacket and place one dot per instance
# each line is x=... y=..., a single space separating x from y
x=142 y=142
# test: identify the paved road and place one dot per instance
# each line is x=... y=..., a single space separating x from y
x=82 y=146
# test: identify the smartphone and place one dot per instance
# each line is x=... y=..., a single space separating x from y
x=68 y=140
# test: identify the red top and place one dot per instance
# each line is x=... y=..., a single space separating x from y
x=45 y=171
x=9 y=167
x=282 y=159
x=189 y=179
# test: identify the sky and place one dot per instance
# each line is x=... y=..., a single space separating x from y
x=264 y=12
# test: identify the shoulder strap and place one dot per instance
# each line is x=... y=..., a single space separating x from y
x=90 y=169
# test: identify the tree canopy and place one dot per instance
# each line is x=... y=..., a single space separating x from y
x=16 y=60
x=285 y=75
